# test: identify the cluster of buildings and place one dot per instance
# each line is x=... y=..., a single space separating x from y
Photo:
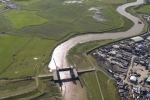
x=128 y=61
x=10 y=5
x=5 y=1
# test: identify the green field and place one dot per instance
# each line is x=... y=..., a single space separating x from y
x=81 y=61
x=28 y=58
x=144 y=9
x=90 y=82
x=10 y=45
x=65 y=19
x=114 y=1
x=47 y=30
x=25 y=2
x=24 y=18
x=4 y=25
x=8 y=88
x=50 y=91
x=108 y=87
x=2 y=6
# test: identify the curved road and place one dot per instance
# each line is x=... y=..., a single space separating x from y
x=60 y=52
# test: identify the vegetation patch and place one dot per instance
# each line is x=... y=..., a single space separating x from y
x=114 y=1
x=50 y=91
x=22 y=18
x=25 y=2
x=4 y=25
x=10 y=45
x=65 y=19
x=108 y=87
x=10 y=88
x=2 y=5
x=80 y=61
x=144 y=9
x=47 y=30
x=89 y=80
x=29 y=58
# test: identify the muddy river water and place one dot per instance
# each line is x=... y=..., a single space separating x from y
x=76 y=92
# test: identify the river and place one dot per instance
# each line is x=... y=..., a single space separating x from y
x=70 y=91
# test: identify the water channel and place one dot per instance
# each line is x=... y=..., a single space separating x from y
x=71 y=91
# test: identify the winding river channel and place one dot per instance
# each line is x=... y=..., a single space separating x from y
x=70 y=91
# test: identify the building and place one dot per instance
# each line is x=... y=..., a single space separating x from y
x=148 y=80
x=137 y=39
x=148 y=38
x=133 y=79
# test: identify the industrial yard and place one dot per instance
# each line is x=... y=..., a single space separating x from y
x=128 y=61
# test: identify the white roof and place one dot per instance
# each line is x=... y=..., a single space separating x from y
x=148 y=79
x=148 y=38
x=112 y=52
x=115 y=46
x=133 y=78
x=137 y=39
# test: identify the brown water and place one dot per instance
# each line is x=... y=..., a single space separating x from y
x=71 y=91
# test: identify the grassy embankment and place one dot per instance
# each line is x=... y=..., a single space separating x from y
x=9 y=88
x=50 y=91
x=144 y=9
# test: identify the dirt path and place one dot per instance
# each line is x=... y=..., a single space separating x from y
x=99 y=86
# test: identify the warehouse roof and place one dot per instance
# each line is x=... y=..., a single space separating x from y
x=137 y=39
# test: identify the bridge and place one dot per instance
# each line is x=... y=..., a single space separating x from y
x=73 y=72
x=45 y=75
x=86 y=70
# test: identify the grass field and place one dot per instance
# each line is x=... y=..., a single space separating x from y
x=8 y=88
x=25 y=2
x=114 y=1
x=2 y=6
x=10 y=45
x=84 y=47
x=47 y=30
x=107 y=87
x=28 y=58
x=89 y=80
x=67 y=18
x=24 y=18
x=81 y=62
x=50 y=91
x=144 y=9
x=4 y=25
